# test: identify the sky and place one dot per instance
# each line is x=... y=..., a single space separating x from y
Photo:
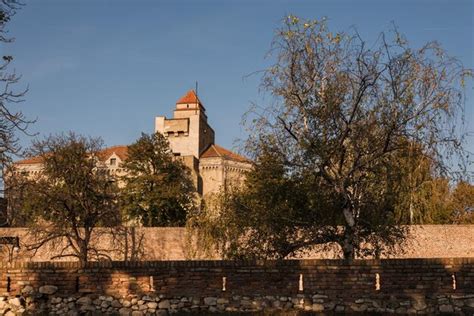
x=107 y=68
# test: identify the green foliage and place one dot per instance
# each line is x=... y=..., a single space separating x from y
x=462 y=203
x=70 y=197
x=354 y=131
x=158 y=188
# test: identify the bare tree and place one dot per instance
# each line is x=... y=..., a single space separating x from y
x=11 y=120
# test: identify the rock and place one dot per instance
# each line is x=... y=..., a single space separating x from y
x=27 y=290
x=147 y=298
x=137 y=313
x=125 y=311
x=419 y=303
x=116 y=304
x=319 y=296
x=48 y=289
x=222 y=301
x=15 y=302
x=141 y=302
x=9 y=313
x=165 y=304
x=210 y=301
x=470 y=302
x=446 y=309
x=340 y=308
x=317 y=307
x=85 y=300
x=152 y=305
x=126 y=303
x=105 y=304
x=359 y=307
x=86 y=308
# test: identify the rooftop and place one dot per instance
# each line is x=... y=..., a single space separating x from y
x=190 y=97
x=214 y=151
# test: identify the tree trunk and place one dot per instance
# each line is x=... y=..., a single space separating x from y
x=83 y=247
x=83 y=253
x=348 y=243
x=348 y=248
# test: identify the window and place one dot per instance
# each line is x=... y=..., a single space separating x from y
x=113 y=161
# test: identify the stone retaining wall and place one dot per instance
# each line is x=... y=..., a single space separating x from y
x=414 y=286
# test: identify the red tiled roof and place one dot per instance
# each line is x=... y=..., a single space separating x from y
x=29 y=161
x=218 y=151
x=189 y=97
x=121 y=151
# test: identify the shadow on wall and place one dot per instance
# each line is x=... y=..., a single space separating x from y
x=392 y=285
x=398 y=286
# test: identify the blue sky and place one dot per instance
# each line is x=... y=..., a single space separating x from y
x=107 y=68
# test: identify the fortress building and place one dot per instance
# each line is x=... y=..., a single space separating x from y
x=191 y=139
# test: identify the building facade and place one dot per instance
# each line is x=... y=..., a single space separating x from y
x=191 y=139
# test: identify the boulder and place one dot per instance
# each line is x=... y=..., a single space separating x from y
x=84 y=300
x=116 y=304
x=125 y=311
x=165 y=304
x=446 y=309
x=317 y=307
x=48 y=289
x=210 y=301
x=15 y=302
x=27 y=290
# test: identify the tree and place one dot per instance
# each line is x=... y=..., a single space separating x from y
x=158 y=188
x=327 y=150
x=462 y=203
x=71 y=197
x=11 y=120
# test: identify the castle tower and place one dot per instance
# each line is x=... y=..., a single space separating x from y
x=188 y=132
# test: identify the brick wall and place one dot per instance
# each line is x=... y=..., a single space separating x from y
x=415 y=285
